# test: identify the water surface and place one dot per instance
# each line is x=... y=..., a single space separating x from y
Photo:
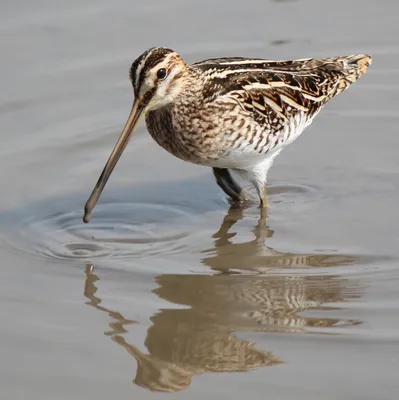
x=167 y=290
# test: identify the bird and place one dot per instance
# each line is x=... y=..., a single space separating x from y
x=233 y=114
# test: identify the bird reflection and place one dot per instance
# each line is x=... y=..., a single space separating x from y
x=185 y=342
x=255 y=255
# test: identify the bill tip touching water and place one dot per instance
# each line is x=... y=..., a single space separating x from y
x=87 y=216
x=231 y=114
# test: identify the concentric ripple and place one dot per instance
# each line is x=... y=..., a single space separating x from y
x=117 y=231
x=288 y=193
x=294 y=193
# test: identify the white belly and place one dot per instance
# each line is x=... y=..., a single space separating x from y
x=244 y=160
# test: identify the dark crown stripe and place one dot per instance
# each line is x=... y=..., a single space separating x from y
x=145 y=62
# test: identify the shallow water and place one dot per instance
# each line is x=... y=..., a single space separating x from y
x=166 y=290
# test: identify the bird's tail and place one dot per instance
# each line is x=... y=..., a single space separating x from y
x=351 y=68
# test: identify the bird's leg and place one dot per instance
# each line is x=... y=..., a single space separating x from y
x=257 y=175
x=227 y=183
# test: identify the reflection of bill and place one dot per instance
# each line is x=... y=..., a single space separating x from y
x=200 y=338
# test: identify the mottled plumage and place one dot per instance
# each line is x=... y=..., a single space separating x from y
x=230 y=113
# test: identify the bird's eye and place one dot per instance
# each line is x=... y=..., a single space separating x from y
x=161 y=73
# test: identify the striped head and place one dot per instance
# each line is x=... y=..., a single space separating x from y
x=156 y=77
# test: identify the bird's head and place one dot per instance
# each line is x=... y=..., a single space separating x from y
x=156 y=77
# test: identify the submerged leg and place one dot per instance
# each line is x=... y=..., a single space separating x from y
x=227 y=183
x=257 y=175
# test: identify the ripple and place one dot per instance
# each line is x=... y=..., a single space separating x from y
x=289 y=193
x=294 y=193
x=117 y=231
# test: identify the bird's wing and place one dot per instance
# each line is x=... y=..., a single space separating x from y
x=304 y=82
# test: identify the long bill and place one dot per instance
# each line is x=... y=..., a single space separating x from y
x=131 y=123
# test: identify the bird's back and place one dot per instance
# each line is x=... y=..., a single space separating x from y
x=318 y=79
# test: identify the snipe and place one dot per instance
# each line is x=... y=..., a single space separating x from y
x=229 y=113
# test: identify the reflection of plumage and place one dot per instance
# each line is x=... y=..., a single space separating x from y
x=200 y=343
x=265 y=303
x=154 y=373
x=169 y=366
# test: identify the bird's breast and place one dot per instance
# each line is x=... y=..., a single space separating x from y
x=197 y=137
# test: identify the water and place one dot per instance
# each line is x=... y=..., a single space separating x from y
x=166 y=290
